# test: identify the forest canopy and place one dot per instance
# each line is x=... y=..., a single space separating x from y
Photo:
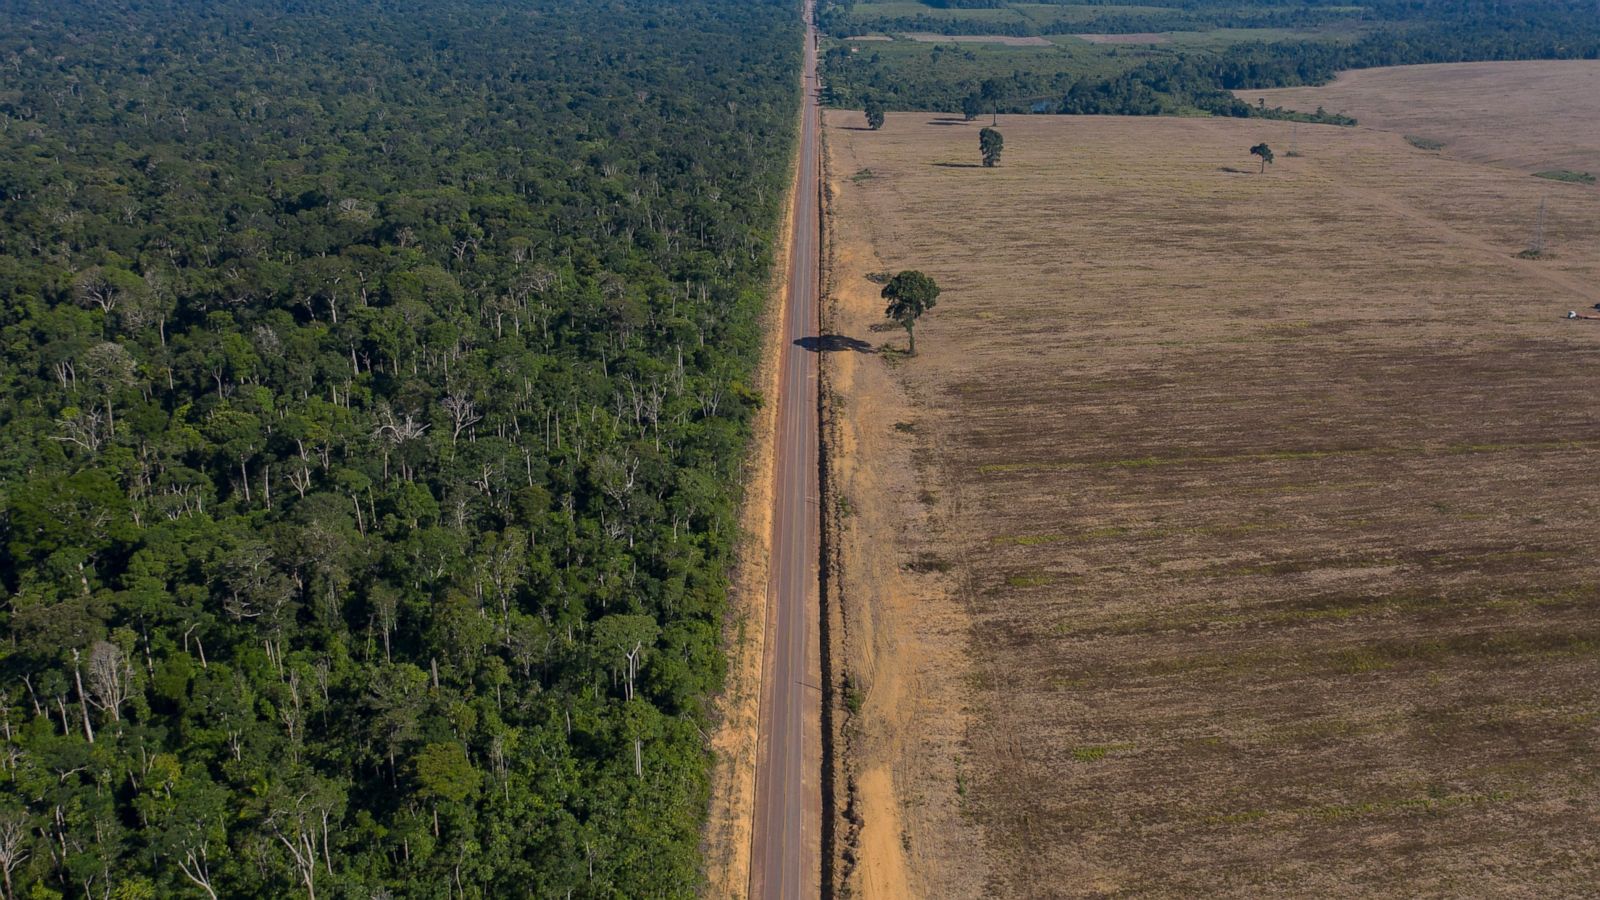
x=373 y=394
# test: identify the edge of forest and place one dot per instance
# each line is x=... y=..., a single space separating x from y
x=730 y=822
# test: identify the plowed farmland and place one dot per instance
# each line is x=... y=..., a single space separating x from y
x=1233 y=533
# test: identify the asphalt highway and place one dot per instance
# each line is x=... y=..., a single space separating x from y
x=786 y=848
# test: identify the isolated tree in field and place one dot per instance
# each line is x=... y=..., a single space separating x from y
x=971 y=107
x=910 y=294
x=1263 y=151
x=874 y=110
x=990 y=144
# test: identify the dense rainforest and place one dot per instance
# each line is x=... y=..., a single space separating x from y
x=373 y=396
x=1160 y=80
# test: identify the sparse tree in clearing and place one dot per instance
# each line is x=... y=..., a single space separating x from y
x=971 y=107
x=1263 y=151
x=910 y=294
x=874 y=110
x=990 y=144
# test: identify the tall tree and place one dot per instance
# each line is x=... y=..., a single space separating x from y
x=971 y=106
x=1263 y=151
x=910 y=294
x=991 y=92
x=990 y=145
x=874 y=111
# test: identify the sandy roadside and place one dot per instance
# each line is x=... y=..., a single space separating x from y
x=731 y=821
x=899 y=653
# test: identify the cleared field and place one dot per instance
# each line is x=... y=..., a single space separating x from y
x=1143 y=37
x=1219 y=38
x=1007 y=40
x=1530 y=116
x=1232 y=534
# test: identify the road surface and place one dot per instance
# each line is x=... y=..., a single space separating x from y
x=786 y=852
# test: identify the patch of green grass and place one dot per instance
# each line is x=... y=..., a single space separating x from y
x=863 y=175
x=854 y=697
x=1360 y=660
x=1032 y=580
x=1095 y=753
x=1238 y=818
x=1424 y=143
x=1566 y=175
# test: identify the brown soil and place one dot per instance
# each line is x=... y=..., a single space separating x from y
x=1530 y=116
x=1232 y=534
x=902 y=636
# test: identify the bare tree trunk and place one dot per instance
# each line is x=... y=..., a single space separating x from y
x=83 y=700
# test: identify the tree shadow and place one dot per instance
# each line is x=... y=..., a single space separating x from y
x=951 y=165
x=854 y=128
x=833 y=343
x=949 y=122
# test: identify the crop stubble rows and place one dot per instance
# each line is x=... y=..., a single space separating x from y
x=1275 y=507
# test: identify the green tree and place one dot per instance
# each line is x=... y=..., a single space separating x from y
x=971 y=106
x=991 y=93
x=1263 y=151
x=990 y=144
x=874 y=111
x=910 y=294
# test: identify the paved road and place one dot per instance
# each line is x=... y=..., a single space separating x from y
x=786 y=856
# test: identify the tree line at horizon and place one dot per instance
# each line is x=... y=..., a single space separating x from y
x=1397 y=32
x=373 y=396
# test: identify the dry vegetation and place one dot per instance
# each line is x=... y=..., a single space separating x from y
x=1525 y=115
x=1233 y=534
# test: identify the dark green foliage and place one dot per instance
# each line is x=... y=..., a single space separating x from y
x=1263 y=151
x=1566 y=175
x=990 y=145
x=874 y=111
x=971 y=107
x=372 y=396
x=910 y=294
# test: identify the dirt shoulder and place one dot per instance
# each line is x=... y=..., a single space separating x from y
x=900 y=648
x=735 y=741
